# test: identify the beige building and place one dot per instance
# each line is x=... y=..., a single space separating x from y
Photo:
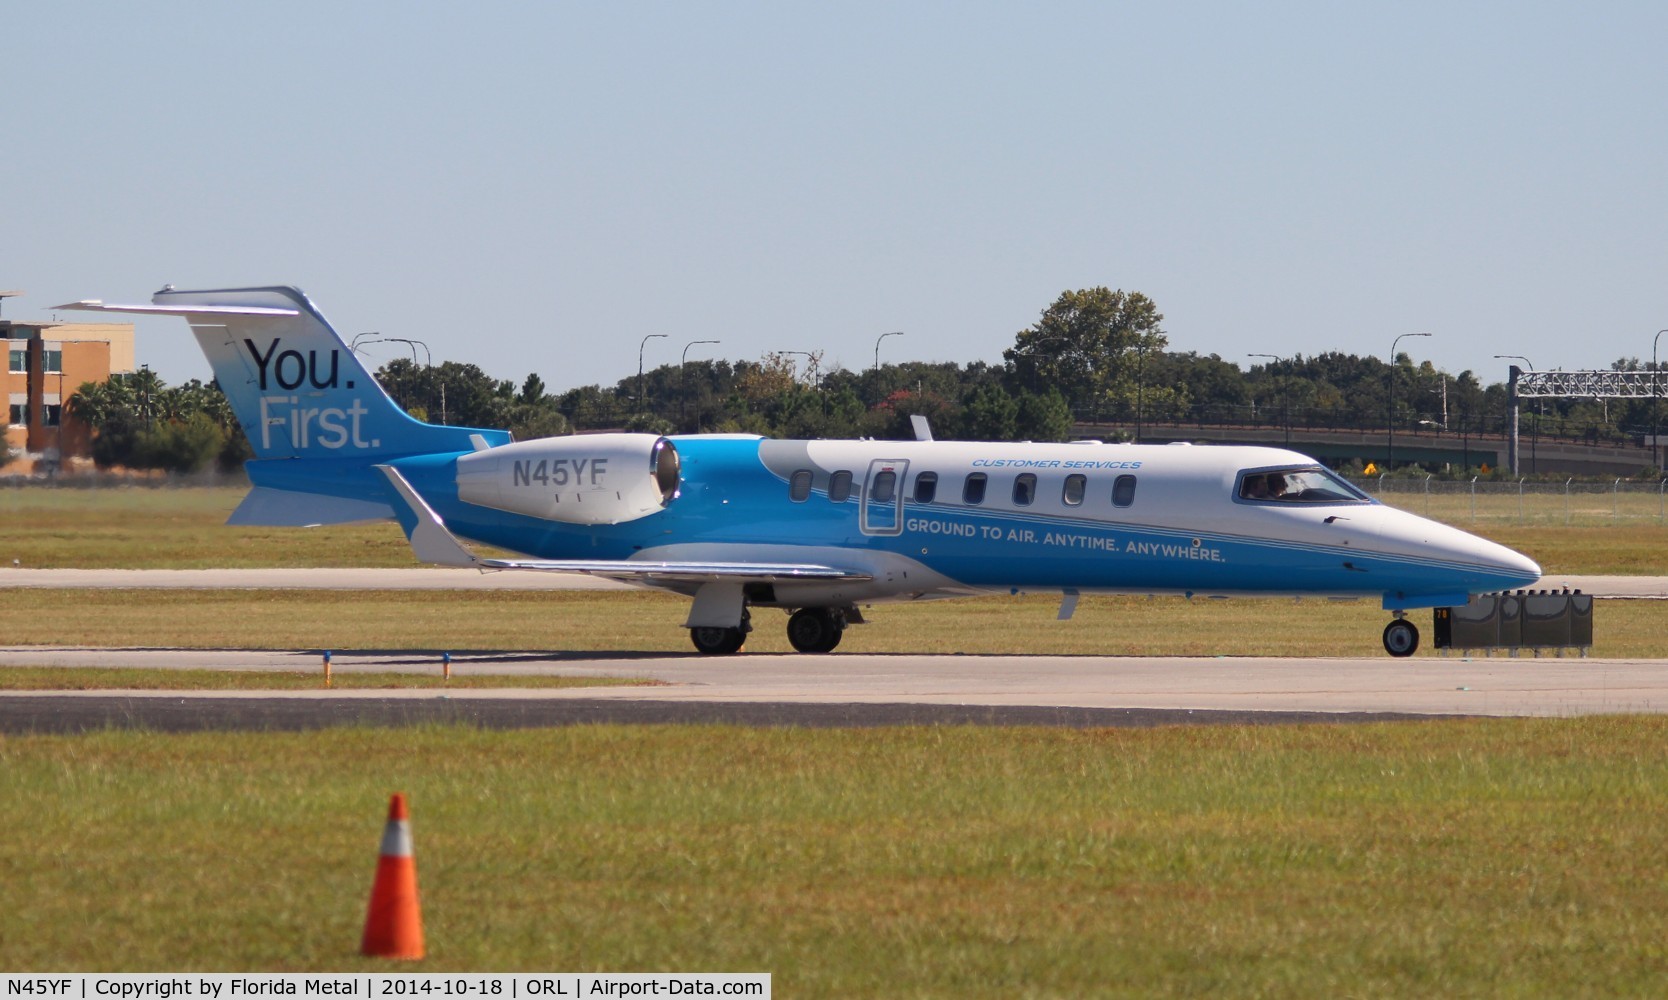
x=45 y=363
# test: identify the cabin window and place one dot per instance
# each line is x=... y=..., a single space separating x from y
x=1025 y=489
x=884 y=487
x=799 y=487
x=1123 y=491
x=926 y=487
x=839 y=486
x=1074 y=490
x=973 y=491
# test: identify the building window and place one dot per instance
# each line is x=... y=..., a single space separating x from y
x=51 y=413
x=20 y=414
x=1025 y=489
x=52 y=361
x=1123 y=491
x=19 y=361
x=926 y=487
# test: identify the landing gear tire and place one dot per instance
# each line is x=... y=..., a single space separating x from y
x=1401 y=638
x=717 y=641
x=815 y=630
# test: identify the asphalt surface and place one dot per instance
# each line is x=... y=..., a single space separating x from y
x=833 y=690
x=855 y=689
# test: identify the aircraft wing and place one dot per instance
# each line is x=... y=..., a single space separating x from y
x=433 y=543
x=644 y=570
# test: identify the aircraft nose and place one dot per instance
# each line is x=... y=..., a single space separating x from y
x=1492 y=566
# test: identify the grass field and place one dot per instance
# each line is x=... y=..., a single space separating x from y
x=1468 y=858
x=1478 y=858
x=636 y=621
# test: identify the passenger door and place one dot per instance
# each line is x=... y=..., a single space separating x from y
x=883 y=497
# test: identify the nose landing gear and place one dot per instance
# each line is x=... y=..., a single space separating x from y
x=1401 y=637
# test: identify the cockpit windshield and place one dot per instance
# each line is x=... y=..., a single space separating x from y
x=1312 y=484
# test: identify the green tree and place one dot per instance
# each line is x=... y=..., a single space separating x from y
x=1044 y=416
x=1093 y=346
x=989 y=413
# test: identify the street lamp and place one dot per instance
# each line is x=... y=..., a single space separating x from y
x=1285 y=412
x=1655 y=460
x=683 y=370
x=809 y=357
x=1534 y=424
x=640 y=347
x=1390 y=443
x=894 y=333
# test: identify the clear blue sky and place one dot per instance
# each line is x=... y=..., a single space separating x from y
x=536 y=186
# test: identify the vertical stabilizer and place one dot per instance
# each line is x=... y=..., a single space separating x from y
x=296 y=387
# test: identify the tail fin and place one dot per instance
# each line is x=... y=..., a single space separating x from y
x=296 y=388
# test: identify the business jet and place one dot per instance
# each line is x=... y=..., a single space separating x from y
x=816 y=528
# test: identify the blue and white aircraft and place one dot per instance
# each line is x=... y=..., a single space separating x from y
x=816 y=528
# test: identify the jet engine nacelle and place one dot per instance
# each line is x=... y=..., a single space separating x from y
x=584 y=479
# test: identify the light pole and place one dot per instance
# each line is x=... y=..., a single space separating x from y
x=1655 y=459
x=1390 y=441
x=1534 y=424
x=894 y=333
x=812 y=359
x=683 y=370
x=1285 y=413
x=640 y=347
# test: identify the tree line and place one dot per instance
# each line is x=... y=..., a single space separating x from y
x=1095 y=356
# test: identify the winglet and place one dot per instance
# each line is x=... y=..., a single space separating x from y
x=430 y=541
x=923 y=430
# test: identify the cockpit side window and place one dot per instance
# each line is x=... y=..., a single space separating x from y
x=1301 y=485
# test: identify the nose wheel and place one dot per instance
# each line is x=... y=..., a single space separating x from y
x=1401 y=638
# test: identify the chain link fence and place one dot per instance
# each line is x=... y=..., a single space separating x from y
x=1590 y=504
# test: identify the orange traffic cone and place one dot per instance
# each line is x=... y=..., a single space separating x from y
x=394 y=925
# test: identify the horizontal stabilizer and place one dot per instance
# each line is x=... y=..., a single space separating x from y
x=288 y=509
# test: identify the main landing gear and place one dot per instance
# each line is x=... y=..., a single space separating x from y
x=810 y=630
x=1401 y=637
x=715 y=641
x=816 y=630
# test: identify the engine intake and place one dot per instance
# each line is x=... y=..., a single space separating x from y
x=583 y=479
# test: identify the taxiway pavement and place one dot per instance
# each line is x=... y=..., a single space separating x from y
x=1427 y=685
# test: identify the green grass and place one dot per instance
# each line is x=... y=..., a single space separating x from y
x=174 y=528
x=148 y=679
x=639 y=621
x=1473 y=858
